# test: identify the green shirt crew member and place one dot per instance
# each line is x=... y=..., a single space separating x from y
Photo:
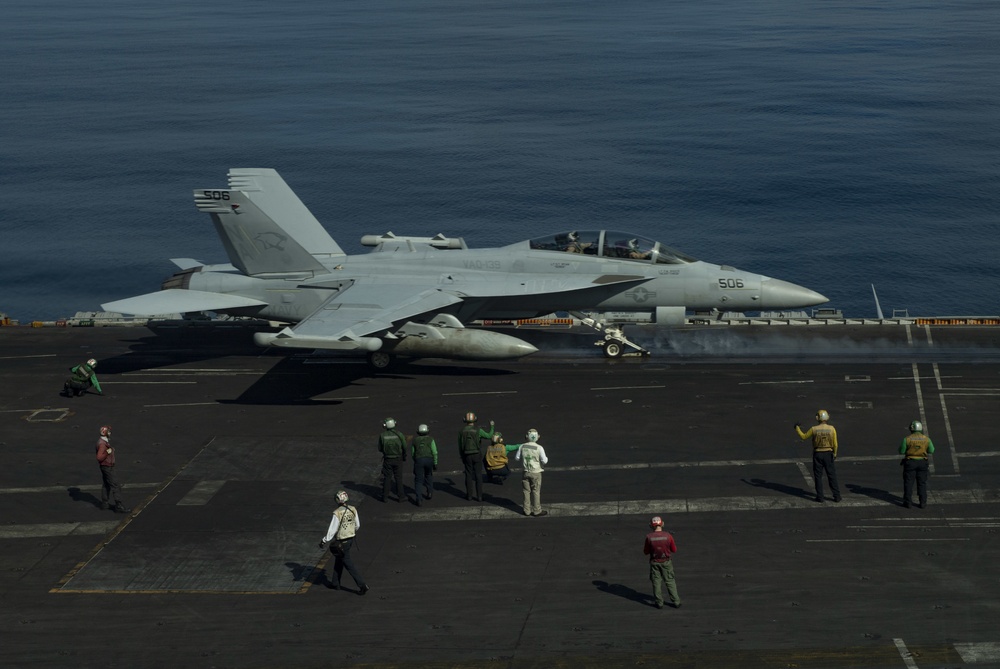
x=83 y=377
x=468 y=449
x=425 y=462
x=916 y=449
x=392 y=446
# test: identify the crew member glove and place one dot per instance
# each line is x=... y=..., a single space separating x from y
x=322 y=545
x=435 y=467
x=798 y=425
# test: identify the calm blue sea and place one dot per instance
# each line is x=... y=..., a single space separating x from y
x=832 y=143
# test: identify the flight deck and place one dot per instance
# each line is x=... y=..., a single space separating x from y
x=231 y=456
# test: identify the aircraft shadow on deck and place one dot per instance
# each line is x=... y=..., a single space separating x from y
x=294 y=381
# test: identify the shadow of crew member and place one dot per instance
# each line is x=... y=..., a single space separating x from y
x=83 y=377
x=344 y=526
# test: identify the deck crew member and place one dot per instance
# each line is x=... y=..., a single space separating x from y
x=468 y=448
x=916 y=450
x=111 y=489
x=83 y=377
x=533 y=456
x=392 y=446
x=660 y=548
x=824 y=441
x=424 y=451
x=340 y=538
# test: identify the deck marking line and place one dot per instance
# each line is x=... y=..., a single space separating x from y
x=905 y=654
x=947 y=421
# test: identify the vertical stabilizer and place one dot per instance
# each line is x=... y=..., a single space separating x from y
x=266 y=189
x=255 y=243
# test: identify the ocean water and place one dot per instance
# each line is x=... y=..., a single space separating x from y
x=831 y=143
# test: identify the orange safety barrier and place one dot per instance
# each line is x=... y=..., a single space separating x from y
x=545 y=321
x=958 y=321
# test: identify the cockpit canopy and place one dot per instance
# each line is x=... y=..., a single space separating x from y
x=611 y=244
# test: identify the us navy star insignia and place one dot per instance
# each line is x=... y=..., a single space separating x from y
x=640 y=295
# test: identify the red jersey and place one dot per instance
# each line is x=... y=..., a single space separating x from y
x=659 y=546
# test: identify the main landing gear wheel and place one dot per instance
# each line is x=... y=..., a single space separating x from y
x=613 y=348
x=379 y=360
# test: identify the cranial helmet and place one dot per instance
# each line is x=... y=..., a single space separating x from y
x=341 y=497
x=389 y=423
x=470 y=417
x=422 y=429
x=822 y=415
x=92 y=362
x=916 y=426
x=656 y=521
x=497 y=437
x=105 y=430
x=532 y=434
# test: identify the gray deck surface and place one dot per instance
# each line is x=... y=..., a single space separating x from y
x=231 y=457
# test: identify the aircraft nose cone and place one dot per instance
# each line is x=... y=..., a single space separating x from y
x=778 y=294
x=521 y=349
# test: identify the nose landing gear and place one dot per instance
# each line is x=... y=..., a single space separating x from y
x=613 y=339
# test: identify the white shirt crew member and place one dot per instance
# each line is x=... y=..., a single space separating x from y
x=353 y=518
x=533 y=456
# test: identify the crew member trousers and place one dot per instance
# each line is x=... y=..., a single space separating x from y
x=823 y=460
x=423 y=477
x=660 y=573
x=473 y=476
x=111 y=490
x=392 y=468
x=531 y=485
x=342 y=558
x=915 y=468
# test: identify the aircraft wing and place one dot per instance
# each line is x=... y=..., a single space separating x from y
x=176 y=301
x=348 y=319
x=354 y=318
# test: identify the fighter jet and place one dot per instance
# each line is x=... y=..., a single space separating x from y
x=412 y=296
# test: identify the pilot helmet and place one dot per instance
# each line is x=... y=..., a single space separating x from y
x=389 y=423
x=341 y=497
x=422 y=429
x=532 y=435
x=470 y=417
x=573 y=236
x=916 y=426
x=633 y=244
x=822 y=416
